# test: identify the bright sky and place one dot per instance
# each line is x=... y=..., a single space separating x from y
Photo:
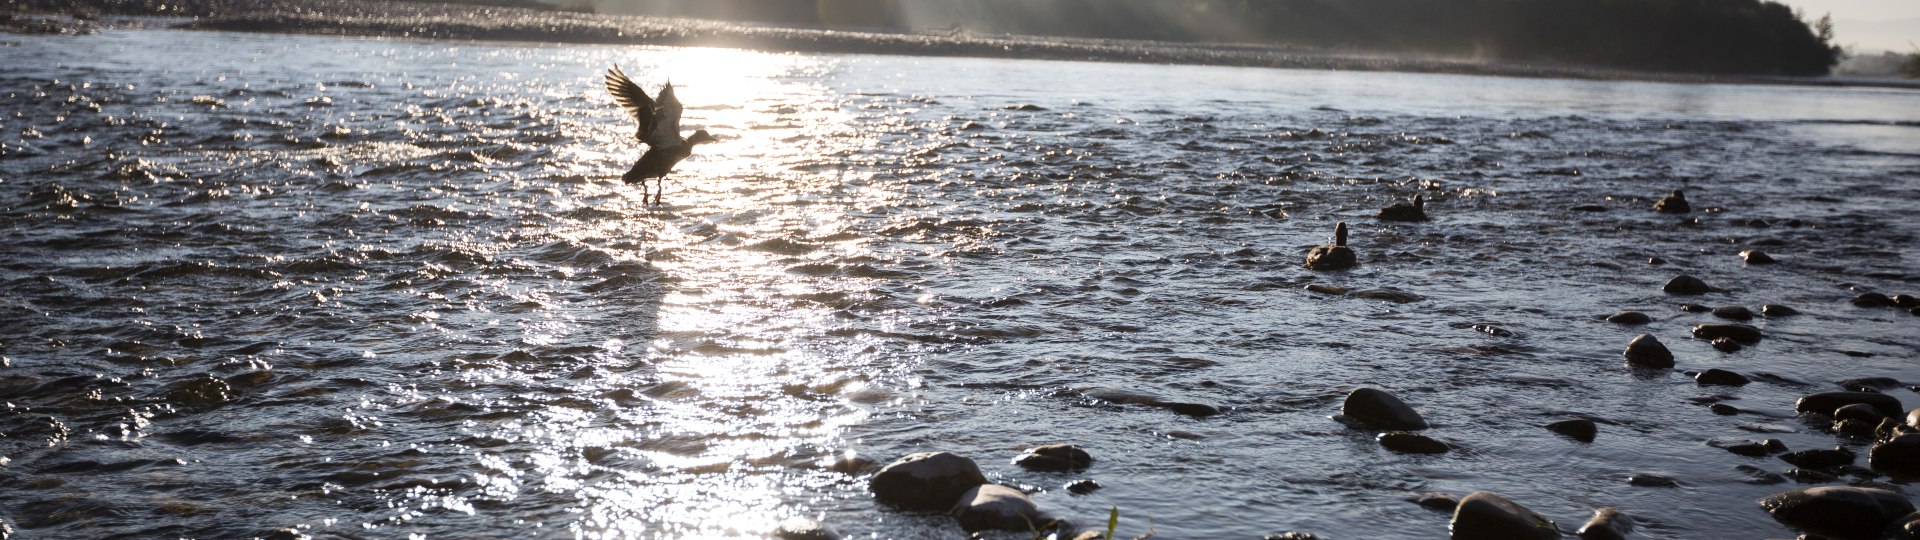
x=1868 y=25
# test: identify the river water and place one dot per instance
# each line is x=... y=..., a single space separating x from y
x=372 y=288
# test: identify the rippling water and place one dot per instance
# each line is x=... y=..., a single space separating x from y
x=374 y=288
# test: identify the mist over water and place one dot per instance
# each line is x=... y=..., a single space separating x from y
x=374 y=288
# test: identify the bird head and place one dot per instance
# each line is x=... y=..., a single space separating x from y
x=700 y=137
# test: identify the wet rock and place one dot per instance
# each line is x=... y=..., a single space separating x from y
x=1379 y=409
x=1776 y=310
x=1673 y=203
x=1412 y=443
x=1651 y=480
x=1589 y=208
x=1905 y=528
x=1759 y=476
x=1898 y=457
x=1695 y=308
x=997 y=507
x=1749 y=449
x=1726 y=345
x=1580 y=429
x=1738 y=332
x=1723 y=409
x=1390 y=295
x=1686 y=285
x=926 y=480
x=1754 y=256
x=1915 y=312
x=1877 y=383
x=1404 y=211
x=1774 y=445
x=799 y=528
x=1629 y=317
x=1738 y=313
x=1828 y=402
x=1858 y=411
x=1606 y=524
x=1819 y=458
x=1486 y=516
x=1839 y=511
x=1333 y=257
x=1906 y=301
x=1054 y=457
x=1656 y=261
x=1444 y=502
x=1809 y=476
x=1872 y=300
x=1291 y=535
x=1082 y=486
x=1647 y=352
x=1196 y=410
x=1720 y=377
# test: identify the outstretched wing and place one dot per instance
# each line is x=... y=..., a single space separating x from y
x=666 y=120
x=635 y=101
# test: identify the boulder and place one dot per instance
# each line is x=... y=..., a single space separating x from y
x=1379 y=409
x=1412 y=443
x=1828 y=403
x=1737 y=332
x=1486 y=516
x=1606 y=524
x=997 y=507
x=1580 y=429
x=1083 y=486
x=1872 y=300
x=1738 y=313
x=926 y=480
x=1686 y=285
x=1720 y=377
x=1897 y=457
x=1906 y=300
x=1629 y=317
x=1838 y=511
x=1905 y=528
x=1647 y=352
x=1754 y=256
x=1777 y=310
x=1858 y=411
x=1054 y=457
x=799 y=528
x=1819 y=458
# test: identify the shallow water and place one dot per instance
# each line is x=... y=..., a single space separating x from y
x=374 y=288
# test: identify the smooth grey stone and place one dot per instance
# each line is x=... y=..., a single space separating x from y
x=1829 y=402
x=1380 y=409
x=1606 y=524
x=1776 y=310
x=997 y=507
x=1738 y=313
x=1898 y=457
x=1412 y=443
x=799 y=528
x=1686 y=285
x=1738 y=332
x=1629 y=317
x=1842 y=511
x=1645 y=351
x=1754 y=256
x=926 y=480
x=1720 y=377
x=1486 y=516
x=1054 y=457
x=1580 y=429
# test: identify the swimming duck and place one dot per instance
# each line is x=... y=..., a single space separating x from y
x=1403 y=211
x=1675 y=203
x=659 y=119
x=1335 y=257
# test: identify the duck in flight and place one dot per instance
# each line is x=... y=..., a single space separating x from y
x=659 y=119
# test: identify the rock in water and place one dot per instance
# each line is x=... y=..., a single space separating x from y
x=1333 y=257
x=1819 y=458
x=1580 y=429
x=1629 y=317
x=926 y=480
x=1646 y=352
x=1727 y=345
x=1738 y=313
x=1754 y=256
x=1872 y=300
x=1840 y=511
x=1486 y=516
x=1379 y=409
x=1686 y=285
x=799 y=528
x=1673 y=203
x=1737 y=332
x=1828 y=402
x=997 y=507
x=1606 y=524
x=1412 y=443
x=1054 y=457
x=1402 y=211
x=1776 y=310
x=1898 y=457
x=1720 y=377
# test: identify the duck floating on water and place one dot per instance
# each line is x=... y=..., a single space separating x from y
x=1673 y=203
x=1335 y=257
x=1404 y=211
x=659 y=119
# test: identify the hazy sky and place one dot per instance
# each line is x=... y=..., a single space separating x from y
x=1869 y=25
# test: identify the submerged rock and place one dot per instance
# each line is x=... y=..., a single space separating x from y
x=1819 y=458
x=1721 y=377
x=997 y=507
x=1673 y=203
x=1333 y=257
x=1737 y=332
x=1580 y=429
x=1379 y=409
x=1444 y=502
x=1485 y=516
x=926 y=480
x=1695 y=308
x=1054 y=457
x=1829 y=402
x=1776 y=310
x=1412 y=443
x=1898 y=457
x=1651 y=480
x=1726 y=345
x=799 y=528
x=1738 y=313
x=1082 y=486
x=1645 y=351
x=1872 y=300
x=1629 y=317
x=1838 y=511
x=1686 y=285
x=1754 y=256
x=1606 y=524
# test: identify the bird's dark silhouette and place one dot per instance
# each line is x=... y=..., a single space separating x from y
x=1404 y=211
x=659 y=119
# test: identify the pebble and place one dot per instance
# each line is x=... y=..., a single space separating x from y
x=1580 y=429
x=1412 y=443
x=1720 y=377
x=799 y=528
x=1486 y=516
x=1380 y=409
x=1606 y=524
x=1629 y=317
x=926 y=480
x=1738 y=313
x=1754 y=256
x=1054 y=457
x=998 y=507
x=1829 y=402
x=1645 y=351
x=1737 y=332
x=1898 y=457
x=1776 y=310
x=1841 y=511
x=1686 y=285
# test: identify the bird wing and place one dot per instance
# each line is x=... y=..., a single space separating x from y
x=634 y=100
x=666 y=120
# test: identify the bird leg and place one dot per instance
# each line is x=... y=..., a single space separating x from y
x=661 y=189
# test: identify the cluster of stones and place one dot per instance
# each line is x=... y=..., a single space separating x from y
x=944 y=481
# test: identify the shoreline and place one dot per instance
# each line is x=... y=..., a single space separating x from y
x=489 y=23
